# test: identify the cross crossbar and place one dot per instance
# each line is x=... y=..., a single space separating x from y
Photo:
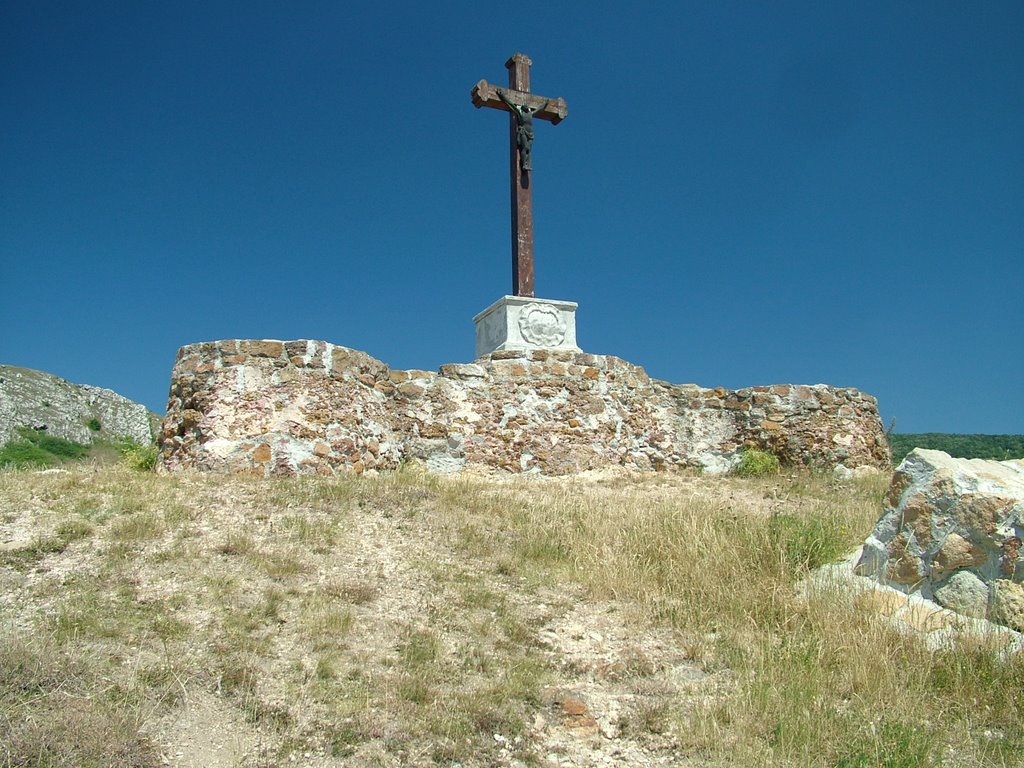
x=486 y=95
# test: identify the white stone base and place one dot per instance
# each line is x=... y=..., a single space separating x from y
x=523 y=322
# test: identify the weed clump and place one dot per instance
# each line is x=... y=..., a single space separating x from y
x=756 y=463
x=140 y=457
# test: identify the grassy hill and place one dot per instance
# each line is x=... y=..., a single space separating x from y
x=405 y=619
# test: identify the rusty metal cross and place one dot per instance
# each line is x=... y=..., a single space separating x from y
x=554 y=110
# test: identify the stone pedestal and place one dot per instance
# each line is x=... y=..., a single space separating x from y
x=523 y=322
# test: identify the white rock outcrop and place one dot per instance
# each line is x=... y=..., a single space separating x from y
x=40 y=400
x=951 y=531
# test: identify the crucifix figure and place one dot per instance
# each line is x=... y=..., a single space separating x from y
x=522 y=107
x=524 y=127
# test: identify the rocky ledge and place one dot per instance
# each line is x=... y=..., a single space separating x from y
x=297 y=407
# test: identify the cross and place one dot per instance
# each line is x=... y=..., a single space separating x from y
x=522 y=107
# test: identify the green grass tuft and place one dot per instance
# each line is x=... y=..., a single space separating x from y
x=755 y=463
x=806 y=541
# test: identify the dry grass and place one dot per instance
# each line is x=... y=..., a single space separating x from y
x=817 y=684
x=399 y=620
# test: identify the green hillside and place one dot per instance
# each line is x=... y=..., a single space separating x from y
x=1000 y=447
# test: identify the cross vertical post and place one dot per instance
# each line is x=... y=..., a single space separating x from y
x=522 y=107
x=521 y=194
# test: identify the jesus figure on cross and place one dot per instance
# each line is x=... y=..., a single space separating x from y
x=524 y=126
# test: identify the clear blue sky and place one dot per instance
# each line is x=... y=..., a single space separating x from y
x=743 y=193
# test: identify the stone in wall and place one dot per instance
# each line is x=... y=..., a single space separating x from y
x=297 y=407
x=951 y=531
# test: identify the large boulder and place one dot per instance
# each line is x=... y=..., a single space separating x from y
x=951 y=530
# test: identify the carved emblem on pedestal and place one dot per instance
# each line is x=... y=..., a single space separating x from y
x=542 y=325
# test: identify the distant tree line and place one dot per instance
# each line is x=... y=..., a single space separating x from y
x=1000 y=447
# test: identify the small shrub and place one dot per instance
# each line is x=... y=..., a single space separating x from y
x=53 y=712
x=890 y=744
x=755 y=463
x=136 y=456
x=328 y=623
x=138 y=527
x=318 y=535
x=346 y=739
x=280 y=564
x=415 y=689
x=94 y=425
x=647 y=717
x=236 y=675
x=354 y=592
x=237 y=543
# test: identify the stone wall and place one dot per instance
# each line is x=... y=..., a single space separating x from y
x=296 y=407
